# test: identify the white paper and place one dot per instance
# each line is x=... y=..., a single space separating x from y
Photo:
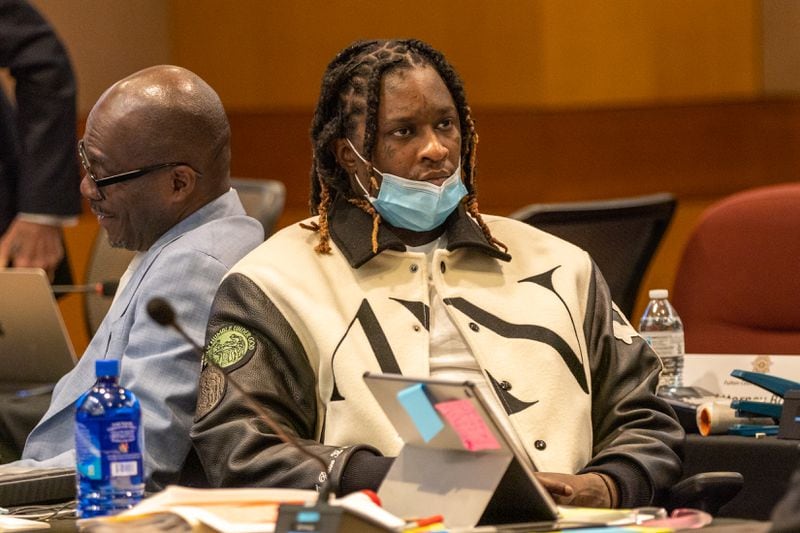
x=11 y=523
x=713 y=373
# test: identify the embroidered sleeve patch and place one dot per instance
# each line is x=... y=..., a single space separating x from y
x=231 y=345
x=210 y=391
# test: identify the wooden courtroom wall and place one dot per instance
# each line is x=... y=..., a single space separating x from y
x=518 y=54
x=574 y=99
x=700 y=152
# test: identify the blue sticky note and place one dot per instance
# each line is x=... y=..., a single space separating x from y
x=418 y=406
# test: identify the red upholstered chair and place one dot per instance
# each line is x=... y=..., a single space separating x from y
x=737 y=287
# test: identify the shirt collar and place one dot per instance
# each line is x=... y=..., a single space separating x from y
x=226 y=204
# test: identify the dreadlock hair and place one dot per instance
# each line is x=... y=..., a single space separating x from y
x=351 y=90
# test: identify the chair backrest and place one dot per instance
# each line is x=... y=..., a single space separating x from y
x=737 y=282
x=106 y=265
x=621 y=235
x=262 y=199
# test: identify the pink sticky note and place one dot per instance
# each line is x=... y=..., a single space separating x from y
x=475 y=435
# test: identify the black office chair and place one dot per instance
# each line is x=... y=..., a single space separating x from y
x=706 y=491
x=621 y=235
x=105 y=266
x=262 y=199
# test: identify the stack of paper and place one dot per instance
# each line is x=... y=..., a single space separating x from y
x=203 y=510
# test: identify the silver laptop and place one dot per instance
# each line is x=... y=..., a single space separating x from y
x=35 y=485
x=34 y=344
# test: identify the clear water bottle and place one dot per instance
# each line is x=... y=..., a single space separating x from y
x=662 y=328
x=108 y=445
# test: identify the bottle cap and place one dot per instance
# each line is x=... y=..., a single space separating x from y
x=658 y=294
x=106 y=367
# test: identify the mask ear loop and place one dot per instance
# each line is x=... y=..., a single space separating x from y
x=356 y=151
x=376 y=217
x=372 y=181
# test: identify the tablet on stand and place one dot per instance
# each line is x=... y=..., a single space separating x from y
x=456 y=455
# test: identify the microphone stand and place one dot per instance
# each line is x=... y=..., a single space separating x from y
x=319 y=518
x=103 y=288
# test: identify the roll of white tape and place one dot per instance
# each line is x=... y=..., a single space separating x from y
x=717 y=417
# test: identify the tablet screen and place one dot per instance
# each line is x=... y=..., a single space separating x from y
x=449 y=426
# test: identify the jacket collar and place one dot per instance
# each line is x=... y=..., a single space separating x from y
x=226 y=204
x=351 y=230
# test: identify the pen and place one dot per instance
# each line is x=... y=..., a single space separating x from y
x=415 y=523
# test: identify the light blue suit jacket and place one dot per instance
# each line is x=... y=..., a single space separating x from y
x=185 y=267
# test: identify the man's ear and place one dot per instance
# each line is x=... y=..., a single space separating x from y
x=345 y=156
x=183 y=180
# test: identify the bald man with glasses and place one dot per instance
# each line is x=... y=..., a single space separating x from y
x=156 y=159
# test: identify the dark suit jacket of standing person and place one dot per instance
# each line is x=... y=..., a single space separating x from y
x=38 y=166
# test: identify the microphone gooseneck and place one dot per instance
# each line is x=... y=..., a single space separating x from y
x=162 y=312
x=101 y=288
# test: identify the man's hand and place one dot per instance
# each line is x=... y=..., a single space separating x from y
x=27 y=244
x=582 y=490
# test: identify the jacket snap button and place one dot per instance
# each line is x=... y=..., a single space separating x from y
x=505 y=385
x=473 y=326
x=416 y=327
x=540 y=444
x=414 y=268
x=442 y=267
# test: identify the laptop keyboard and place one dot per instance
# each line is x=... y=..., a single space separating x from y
x=26 y=486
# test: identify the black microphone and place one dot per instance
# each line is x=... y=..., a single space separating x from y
x=319 y=518
x=101 y=288
x=162 y=312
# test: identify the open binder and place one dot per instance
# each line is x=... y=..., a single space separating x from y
x=457 y=459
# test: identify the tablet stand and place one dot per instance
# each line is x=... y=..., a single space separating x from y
x=457 y=484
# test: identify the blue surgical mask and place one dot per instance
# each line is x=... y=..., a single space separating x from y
x=415 y=205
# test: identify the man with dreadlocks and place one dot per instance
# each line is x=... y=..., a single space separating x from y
x=399 y=272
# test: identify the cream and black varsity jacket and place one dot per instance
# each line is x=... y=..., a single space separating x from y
x=299 y=330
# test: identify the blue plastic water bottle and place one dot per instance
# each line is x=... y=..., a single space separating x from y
x=108 y=446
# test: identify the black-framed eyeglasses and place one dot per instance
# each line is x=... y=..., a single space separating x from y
x=122 y=176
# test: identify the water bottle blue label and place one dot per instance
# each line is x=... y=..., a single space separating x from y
x=109 y=450
x=123 y=455
x=87 y=449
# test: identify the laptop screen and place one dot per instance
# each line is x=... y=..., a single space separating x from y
x=34 y=343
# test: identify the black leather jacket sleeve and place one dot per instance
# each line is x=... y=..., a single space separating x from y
x=637 y=438
x=257 y=347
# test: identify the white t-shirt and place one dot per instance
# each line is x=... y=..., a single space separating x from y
x=450 y=357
